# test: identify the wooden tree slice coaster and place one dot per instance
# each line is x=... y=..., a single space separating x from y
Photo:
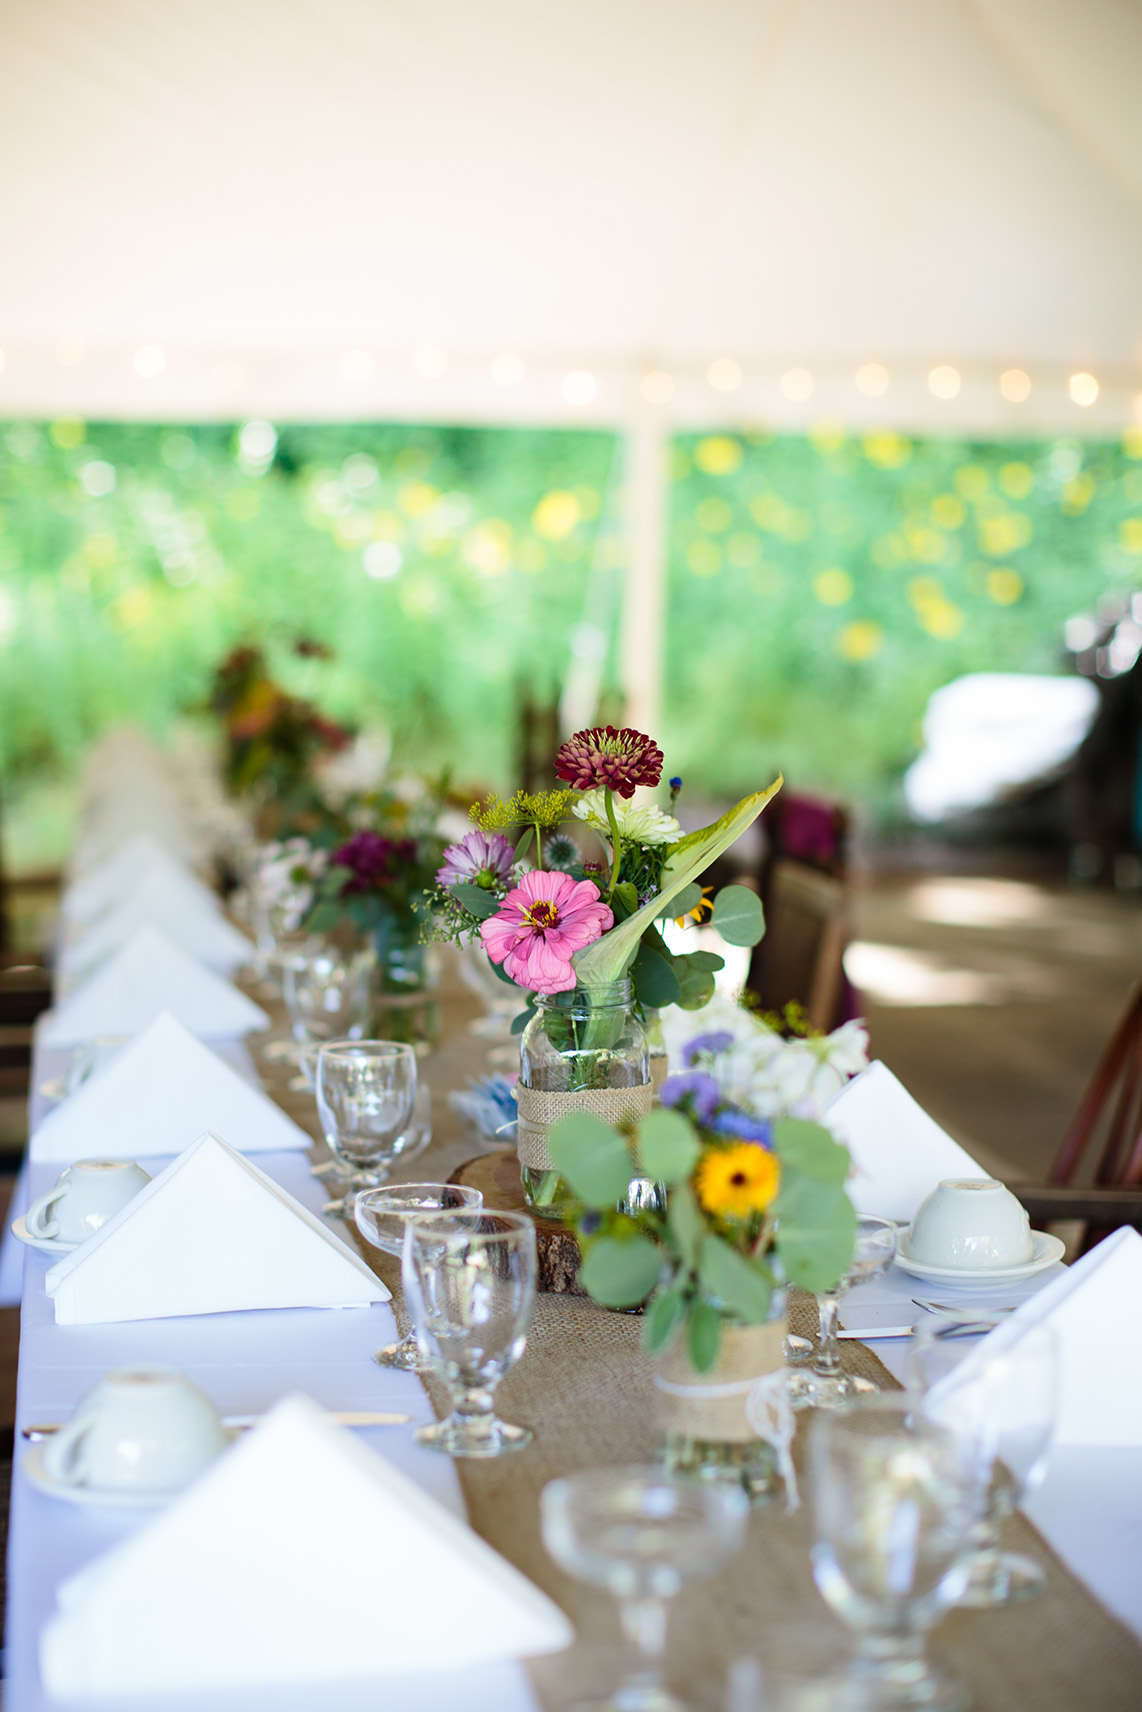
x=496 y=1175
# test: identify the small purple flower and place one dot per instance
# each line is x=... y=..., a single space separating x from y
x=371 y=857
x=696 y=1086
x=480 y=859
x=720 y=1040
x=743 y=1126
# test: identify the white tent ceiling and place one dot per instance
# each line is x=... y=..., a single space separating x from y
x=351 y=208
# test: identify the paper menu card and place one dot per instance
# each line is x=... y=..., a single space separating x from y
x=180 y=908
x=209 y=1235
x=147 y=976
x=300 y=1556
x=156 y=1096
x=113 y=879
x=899 y=1153
x=1093 y=1310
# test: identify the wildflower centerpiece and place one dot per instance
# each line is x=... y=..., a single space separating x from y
x=755 y=1200
x=581 y=933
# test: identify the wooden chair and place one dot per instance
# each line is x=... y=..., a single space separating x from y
x=801 y=881
x=1107 y=1123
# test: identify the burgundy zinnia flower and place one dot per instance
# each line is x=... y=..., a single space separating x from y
x=371 y=857
x=604 y=756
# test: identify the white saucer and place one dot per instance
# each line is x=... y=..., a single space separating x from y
x=49 y=1244
x=1048 y=1249
x=90 y=1497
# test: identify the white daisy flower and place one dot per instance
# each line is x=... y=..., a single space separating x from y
x=643 y=824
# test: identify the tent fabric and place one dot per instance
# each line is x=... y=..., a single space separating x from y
x=352 y=208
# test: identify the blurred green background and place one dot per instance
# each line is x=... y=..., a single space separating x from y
x=820 y=586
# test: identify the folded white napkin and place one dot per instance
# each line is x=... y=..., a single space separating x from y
x=899 y=1153
x=299 y=1557
x=179 y=907
x=209 y=1235
x=1093 y=1310
x=147 y=976
x=155 y=1097
x=106 y=883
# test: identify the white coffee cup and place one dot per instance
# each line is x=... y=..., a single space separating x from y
x=83 y=1198
x=971 y=1223
x=141 y=1429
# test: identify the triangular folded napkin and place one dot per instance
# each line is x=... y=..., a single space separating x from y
x=110 y=881
x=155 y=1097
x=179 y=907
x=147 y=976
x=1093 y=1309
x=209 y=1235
x=899 y=1153
x=267 y=1571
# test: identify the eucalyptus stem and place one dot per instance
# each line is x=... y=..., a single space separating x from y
x=616 y=842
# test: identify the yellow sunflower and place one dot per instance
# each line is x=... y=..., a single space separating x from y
x=733 y=1182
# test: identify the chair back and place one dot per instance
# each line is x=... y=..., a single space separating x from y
x=799 y=959
x=1109 y=1115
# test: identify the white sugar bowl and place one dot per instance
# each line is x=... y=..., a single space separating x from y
x=971 y=1223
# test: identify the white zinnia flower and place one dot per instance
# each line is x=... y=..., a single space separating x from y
x=641 y=825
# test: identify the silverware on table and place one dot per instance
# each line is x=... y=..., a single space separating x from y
x=237 y=1423
x=962 y=1308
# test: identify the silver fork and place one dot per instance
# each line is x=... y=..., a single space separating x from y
x=963 y=1309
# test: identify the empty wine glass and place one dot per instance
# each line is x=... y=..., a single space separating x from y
x=469 y=1287
x=892 y=1517
x=409 y=1145
x=641 y=1532
x=326 y=994
x=381 y=1214
x=825 y=1384
x=366 y=1092
x=1000 y=1403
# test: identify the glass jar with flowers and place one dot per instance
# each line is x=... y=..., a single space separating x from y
x=581 y=933
x=755 y=1201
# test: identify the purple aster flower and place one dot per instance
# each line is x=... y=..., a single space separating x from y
x=719 y=1040
x=372 y=858
x=603 y=756
x=696 y=1086
x=743 y=1126
x=479 y=859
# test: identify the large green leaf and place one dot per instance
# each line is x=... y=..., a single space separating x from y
x=816 y=1228
x=737 y=915
x=593 y=1157
x=695 y=984
x=703 y=1335
x=663 y=1318
x=808 y=1148
x=667 y=1146
x=654 y=978
x=687 y=1226
x=687 y=899
x=609 y=958
x=730 y=1277
x=621 y=1272
x=476 y=900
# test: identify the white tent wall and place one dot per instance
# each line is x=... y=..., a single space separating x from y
x=643 y=214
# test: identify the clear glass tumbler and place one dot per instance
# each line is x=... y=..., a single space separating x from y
x=824 y=1384
x=381 y=1215
x=366 y=1095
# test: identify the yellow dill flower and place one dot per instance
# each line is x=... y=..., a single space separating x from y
x=547 y=808
x=733 y=1182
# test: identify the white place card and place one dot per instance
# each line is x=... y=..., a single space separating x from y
x=155 y=1097
x=209 y=1235
x=899 y=1153
x=299 y=1557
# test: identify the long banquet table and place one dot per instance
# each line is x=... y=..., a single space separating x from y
x=584 y=1388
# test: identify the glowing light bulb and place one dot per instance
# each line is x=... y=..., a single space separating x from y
x=657 y=387
x=872 y=380
x=508 y=369
x=579 y=387
x=944 y=382
x=797 y=385
x=1083 y=389
x=149 y=361
x=724 y=375
x=1015 y=386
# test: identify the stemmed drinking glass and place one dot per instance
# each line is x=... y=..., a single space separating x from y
x=641 y=1533
x=366 y=1093
x=1000 y=1404
x=327 y=996
x=824 y=1384
x=892 y=1517
x=381 y=1215
x=469 y=1287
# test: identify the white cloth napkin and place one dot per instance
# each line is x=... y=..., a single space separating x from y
x=300 y=1556
x=179 y=907
x=899 y=1153
x=155 y=1097
x=147 y=976
x=109 y=881
x=1093 y=1309
x=209 y=1235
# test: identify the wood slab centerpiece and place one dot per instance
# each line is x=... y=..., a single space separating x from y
x=497 y=1177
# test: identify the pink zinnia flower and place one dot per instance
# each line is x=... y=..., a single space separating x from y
x=540 y=925
x=604 y=756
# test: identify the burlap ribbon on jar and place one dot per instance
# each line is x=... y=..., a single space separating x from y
x=539 y=1109
x=712 y=1405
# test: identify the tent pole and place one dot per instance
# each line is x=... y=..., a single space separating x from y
x=643 y=633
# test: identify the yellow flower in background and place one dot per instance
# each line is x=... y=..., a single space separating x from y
x=718 y=455
x=833 y=588
x=1132 y=441
x=1004 y=586
x=556 y=515
x=887 y=451
x=1130 y=534
x=947 y=511
x=733 y=1182
x=860 y=640
x=714 y=514
x=67 y=433
x=972 y=481
x=704 y=558
x=1017 y=480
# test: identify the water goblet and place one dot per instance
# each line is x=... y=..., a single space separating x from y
x=641 y=1533
x=892 y=1516
x=825 y=1384
x=326 y=994
x=1000 y=1404
x=469 y=1287
x=366 y=1092
x=380 y=1215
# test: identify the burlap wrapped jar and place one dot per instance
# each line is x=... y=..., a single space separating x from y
x=704 y=1428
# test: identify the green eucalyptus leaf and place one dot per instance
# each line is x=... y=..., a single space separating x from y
x=626 y=896
x=323 y=916
x=594 y=1158
x=696 y=986
x=668 y=1149
x=621 y=1272
x=809 y=1149
x=737 y=915
x=521 y=1019
x=475 y=899
x=523 y=844
x=709 y=961
x=816 y=1229
x=663 y=1318
x=654 y=979
x=686 y=1224
x=703 y=1335
x=684 y=901
x=500 y=973
x=730 y=1277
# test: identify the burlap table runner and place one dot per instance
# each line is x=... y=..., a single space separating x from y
x=585 y=1388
